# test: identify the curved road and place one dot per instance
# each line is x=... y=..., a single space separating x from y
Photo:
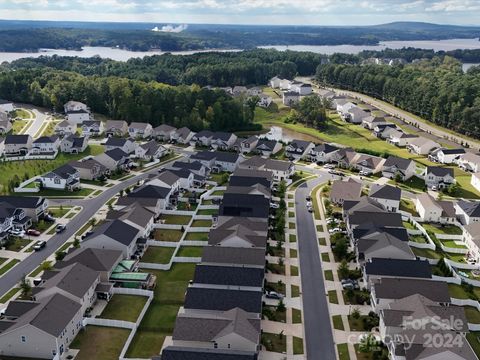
x=90 y=208
x=319 y=344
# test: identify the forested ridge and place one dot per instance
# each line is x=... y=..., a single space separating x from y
x=435 y=89
x=131 y=100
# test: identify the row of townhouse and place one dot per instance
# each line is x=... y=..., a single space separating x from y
x=23 y=145
x=403 y=291
x=225 y=295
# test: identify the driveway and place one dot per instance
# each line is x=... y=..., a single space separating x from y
x=89 y=208
x=318 y=335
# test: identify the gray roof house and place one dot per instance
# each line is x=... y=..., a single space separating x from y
x=113 y=160
x=254 y=257
x=150 y=150
x=345 y=190
x=140 y=130
x=182 y=135
x=116 y=128
x=377 y=268
x=239 y=232
x=195 y=353
x=396 y=166
x=89 y=169
x=72 y=144
x=224 y=275
x=439 y=177
x=66 y=177
x=382 y=245
x=163 y=132
x=297 y=149
x=388 y=196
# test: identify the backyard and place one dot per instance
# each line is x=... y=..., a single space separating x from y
x=168 y=235
x=158 y=254
x=124 y=307
x=99 y=342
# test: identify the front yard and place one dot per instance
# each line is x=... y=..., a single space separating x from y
x=197 y=236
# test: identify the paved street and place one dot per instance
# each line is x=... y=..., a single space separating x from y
x=319 y=342
x=90 y=208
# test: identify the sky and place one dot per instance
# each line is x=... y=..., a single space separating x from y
x=276 y=12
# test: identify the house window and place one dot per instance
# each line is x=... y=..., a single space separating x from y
x=23 y=338
x=56 y=181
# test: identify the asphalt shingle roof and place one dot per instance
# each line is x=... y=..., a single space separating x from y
x=223 y=299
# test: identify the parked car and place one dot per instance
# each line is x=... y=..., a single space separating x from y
x=39 y=245
x=329 y=166
x=273 y=295
x=33 y=232
x=274 y=205
x=434 y=188
x=308 y=198
x=16 y=232
x=309 y=209
x=309 y=204
x=48 y=218
x=60 y=228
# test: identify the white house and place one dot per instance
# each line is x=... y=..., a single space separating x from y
x=371 y=121
x=469 y=162
x=78 y=116
x=422 y=146
x=475 y=181
x=92 y=128
x=388 y=196
x=301 y=88
x=65 y=128
x=356 y=115
x=431 y=210
x=150 y=150
x=248 y=145
x=264 y=100
x=127 y=145
x=113 y=160
x=274 y=82
x=290 y=98
x=45 y=145
x=17 y=145
x=298 y=149
x=202 y=138
x=116 y=128
x=471 y=237
x=446 y=156
x=396 y=166
x=74 y=106
x=439 y=177
x=164 y=132
x=5 y=124
x=323 y=153
x=343 y=106
x=72 y=144
x=63 y=178
x=268 y=147
x=182 y=135
x=468 y=212
x=400 y=139
x=6 y=105
x=140 y=130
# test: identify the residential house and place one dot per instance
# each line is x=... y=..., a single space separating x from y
x=182 y=135
x=126 y=145
x=239 y=232
x=182 y=353
x=323 y=153
x=202 y=138
x=139 y=130
x=298 y=149
x=264 y=100
x=232 y=329
x=431 y=210
x=195 y=166
x=92 y=128
x=439 y=177
x=239 y=90
x=290 y=98
x=229 y=275
x=217 y=160
x=367 y=164
x=12 y=217
x=33 y=206
x=422 y=146
x=257 y=189
x=469 y=162
x=356 y=115
x=77 y=117
x=166 y=179
x=377 y=268
x=248 y=145
x=72 y=144
x=74 y=106
x=244 y=205
x=274 y=82
x=400 y=139
x=300 y=88
x=225 y=256
x=475 y=181
x=471 y=238
x=371 y=121
x=344 y=158
x=90 y=169
x=345 y=190
x=188 y=179
x=281 y=170
x=65 y=127
x=45 y=145
x=117 y=128
x=137 y=216
x=150 y=150
x=114 y=160
x=2 y=146
x=382 y=244
x=395 y=166
x=248 y=178
x=164 y=132
x=446 y=156
x=343 y=106
x=468 y=211
x=6 y=105
x=5 y=124
x=254 y=91
x=113 y=235
x=384 y=131
x=268 y=147
x=164 y=195
x=17 y=145
x=222 y=140
x=386 y=195
x=65 y=177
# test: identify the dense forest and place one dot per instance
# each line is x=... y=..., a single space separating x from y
x=129 y=99
x=32 y=36
x=251 y=67
x=436 y=89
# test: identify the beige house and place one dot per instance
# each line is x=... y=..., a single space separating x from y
x=90 y=169
x=116 y=128
x=422 y=146
x=345 y=190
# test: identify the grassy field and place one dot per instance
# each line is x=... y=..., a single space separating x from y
x=295 y=291
x=328 y=275
x=297 y=346
x=168 y=235
x=337 y=322
x=343 y=352
x=158 y=255
x=159 y=319
x=207 y=212
x=201 y=223
x=58 y=212
x=98 y=342
x=325 y=257
x=197 y=236
x=18 y=244
x=8 y=295
x=176 y=219
x=124 y=307
x=333 y=297
x=190 y=251
x=22 y=170
x=296 y=316
x=274 y=342
x=473 y=340
x=292 y=238
x=447 y=229
x=18 y=126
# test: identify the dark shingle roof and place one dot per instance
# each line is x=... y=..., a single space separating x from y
x=223 y=299
x=116 y=230
x=385 y=192
x=439 y=171
x=244 y=205
x=471 y=208
x=113 y=141
x=229 y=275
x=116 y=154
x=400 y=163
x=185 y=353
x=391 y=288
x=95 y=259
x=233 y=256
x=151 y=191
x=399 y=268
x=16 y=139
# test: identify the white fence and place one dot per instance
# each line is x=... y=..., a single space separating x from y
x=449 y=280
x=30 y=157
x=449 y=237
x=202 y=217
x=155 y=266
x=110 y=323
x=208 y=207
x=21 y=187
x=466 y=302
x=194 y=243
x=178 y=212
x=421 y=245
x=187 y=259
x=162 y=243
x=168 y=226
x=199 y=229
x=453 y=250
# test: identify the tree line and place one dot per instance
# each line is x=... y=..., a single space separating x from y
x=132 y=100
x=436 y=89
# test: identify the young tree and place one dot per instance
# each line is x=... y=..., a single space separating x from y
x=355 y=313
x=46 y=265
x=26 y=287
x=281 y=306
x=343 y=270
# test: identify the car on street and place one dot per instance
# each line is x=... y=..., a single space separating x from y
x=309 y=209
x=39 y=245
x=273 y=295
x=60 y=228
x=329 y=166
x=33 y=232
x=308 y=198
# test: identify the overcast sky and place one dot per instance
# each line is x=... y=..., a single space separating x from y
x=301 y=12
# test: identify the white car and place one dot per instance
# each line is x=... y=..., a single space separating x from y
x=15 y=232
x=434 y=188
x=329 y=166
x=274 y=205
x=309 y=204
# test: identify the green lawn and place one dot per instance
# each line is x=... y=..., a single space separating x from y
x=274 y=342
x=328 y=275
x=474 y=341
x=218 y=193
x=18 y=125
x=438 y=229
x=65 y=246
x=158 y=254
x=18 y=244
x=316 y=207
x=190 y=251
x=297 y=346
x=83 y=192
x=426 y=253
x=220 y=178
x=159 y=319
x=58 y=212
x=333 y=297
x=296 y=316
x=458 y=292
x=293 y=270
x=201 y=223
x=356 y=324
x=8 y=295
x=418 y=239
x=293 y=253
x=19 y=170
x=322 y=241
x=168 y=235
x=99 y=342
x=292 y=238
x=207 y=212
x=408 y=206
x=176 y=219
x=124 y=307
x=291 y=225
x=343 y=352
x=325 y=257
x=472 y=314
x=338 y=322
x=197 y=236
x=295 y=291
x=319 y=228
x=408 y=225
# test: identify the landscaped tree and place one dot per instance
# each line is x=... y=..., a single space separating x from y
x=343 y=270
x=281 y=306
x=367 y=344
x=25 y=287
x=355 y=313
x=46 y=265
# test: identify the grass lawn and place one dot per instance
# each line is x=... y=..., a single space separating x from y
x=325 y=257
x=124 y=307
x=2 y=260
x=293 y=253
x=185 y=206
x=220 y=178
x=276 y=268
x=18 y=244
x=453 y=244
x=438 y=229
x=295 y=291
x=408 y=225
x=65 y=246
x=418 y=239
x=293 y=270
x=328 y=275
x=197 y=236
x=338 y=322
x=296 y=316
x=18 y=125
x=190 y=251
x=201 y=223
x=29 y=168
x=297 y=346
x=99 y=342
x=83 y=192
x=343 y=352
x=207 y=212
x=159 y=319
x=8 y=295
x=277 y=287
x=176 y=219
x=58 y=212
x=333 y=297
x=320 y=228
x=292 y=238
x=274 y=342
x=408 y=206
x=272 y=314
x=472 y=314
x=168 y=235
x=322 y=241
x=291 y=225
x=426 y=253
x=218 y=193
x=474 y=341
x=291 y=214
x=158 y=254
x=356 y=324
